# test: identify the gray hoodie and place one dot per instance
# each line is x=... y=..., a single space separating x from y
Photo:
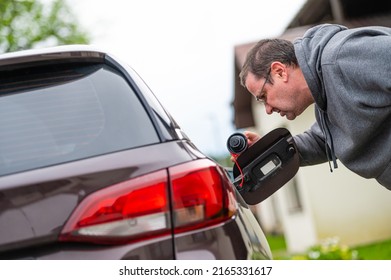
x=349 y=74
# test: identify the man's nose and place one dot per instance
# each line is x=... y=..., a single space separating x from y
x=268 y=109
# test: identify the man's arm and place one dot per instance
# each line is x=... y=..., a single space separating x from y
x=311 y=146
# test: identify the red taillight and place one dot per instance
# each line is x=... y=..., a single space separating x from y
x=131 y=210
x=201 y=195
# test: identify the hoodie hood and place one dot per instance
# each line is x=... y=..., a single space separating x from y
x=308 y=50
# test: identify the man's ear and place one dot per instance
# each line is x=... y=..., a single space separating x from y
x=278 y=70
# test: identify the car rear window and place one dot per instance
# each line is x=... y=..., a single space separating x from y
x=56 y=114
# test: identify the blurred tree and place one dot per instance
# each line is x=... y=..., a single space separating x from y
x=26 y=24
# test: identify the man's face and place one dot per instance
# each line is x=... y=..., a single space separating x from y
x=281 y=97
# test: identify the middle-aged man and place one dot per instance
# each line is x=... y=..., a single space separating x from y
x=347 y=74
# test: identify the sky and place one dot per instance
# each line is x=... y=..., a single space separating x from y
x=184 y=51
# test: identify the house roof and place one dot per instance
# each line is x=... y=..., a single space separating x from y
x=351 y=13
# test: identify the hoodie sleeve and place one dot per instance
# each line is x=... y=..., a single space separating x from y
x=311 y=146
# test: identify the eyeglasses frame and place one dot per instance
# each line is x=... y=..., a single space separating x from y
x=262 y=98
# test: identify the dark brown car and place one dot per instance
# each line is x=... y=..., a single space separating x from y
x=93 y=167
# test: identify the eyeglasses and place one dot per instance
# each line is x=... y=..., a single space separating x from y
x=262 y=95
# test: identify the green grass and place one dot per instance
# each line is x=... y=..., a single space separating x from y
x=276 y=242
x=277 y=246
x=375 y=251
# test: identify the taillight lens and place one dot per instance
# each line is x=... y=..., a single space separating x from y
x=200 y=195
x=133 y=209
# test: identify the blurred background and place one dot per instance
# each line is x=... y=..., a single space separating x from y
x=190 y=54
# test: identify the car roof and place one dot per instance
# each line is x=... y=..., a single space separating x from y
x=66 y=52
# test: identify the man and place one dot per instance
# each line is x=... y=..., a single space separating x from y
x=347 y=74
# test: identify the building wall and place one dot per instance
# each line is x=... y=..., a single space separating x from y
x=344 y=205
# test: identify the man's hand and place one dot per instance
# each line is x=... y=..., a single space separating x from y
x=252 y=137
